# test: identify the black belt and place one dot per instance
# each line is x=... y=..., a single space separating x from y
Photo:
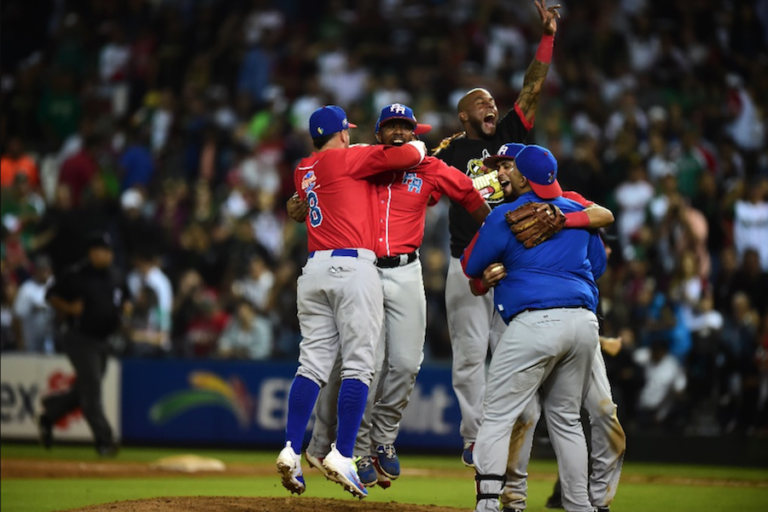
x=396 y=261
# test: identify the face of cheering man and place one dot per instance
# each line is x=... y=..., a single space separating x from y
x=478 y=114
x=506 y=172
x=396 y=132
x=100 y=256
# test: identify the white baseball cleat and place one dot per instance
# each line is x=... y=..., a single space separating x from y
x=317 y=463
x=344 y=470
x=289 y=466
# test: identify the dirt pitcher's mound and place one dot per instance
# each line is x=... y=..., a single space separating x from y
x=232 y=504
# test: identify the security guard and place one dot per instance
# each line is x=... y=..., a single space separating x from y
x=89 y=299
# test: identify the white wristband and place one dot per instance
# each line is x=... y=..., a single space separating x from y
x=421 y=147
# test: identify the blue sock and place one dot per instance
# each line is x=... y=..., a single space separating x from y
x=353 y=396
x=301 y=401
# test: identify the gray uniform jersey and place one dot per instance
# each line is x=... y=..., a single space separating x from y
x=402 y=347
x=607 y=451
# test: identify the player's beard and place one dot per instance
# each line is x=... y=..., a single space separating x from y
x=480 y=128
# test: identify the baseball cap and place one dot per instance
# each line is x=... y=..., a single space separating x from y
x=506 y=152
x=400 y=111
x=328 y=120
x=99 y=239
x=535 y=163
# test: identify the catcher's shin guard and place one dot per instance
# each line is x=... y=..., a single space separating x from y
x=489 y=487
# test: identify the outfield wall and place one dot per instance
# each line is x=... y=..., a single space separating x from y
x=201 y=402
x=245 y=402
x=27 y=378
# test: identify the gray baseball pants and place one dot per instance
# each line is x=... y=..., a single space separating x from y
x=553 y=350
x=398 y=363
x=606 y=455
x=474 y=326
x=340 y=309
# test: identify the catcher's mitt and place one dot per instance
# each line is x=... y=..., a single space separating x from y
x=533 y=223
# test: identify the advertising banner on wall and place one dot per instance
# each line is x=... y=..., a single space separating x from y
x=26 y=378
x=245 y=402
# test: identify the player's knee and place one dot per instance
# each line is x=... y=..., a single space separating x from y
x=311 y=374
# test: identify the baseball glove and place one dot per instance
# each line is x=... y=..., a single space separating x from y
x=533 y=223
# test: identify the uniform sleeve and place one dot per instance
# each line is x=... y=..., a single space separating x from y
x=596 y=255
x=456 y=185
x=366 y=161
x=513 y=127
x=486 y=247
x=575 y=196
x=297 y=174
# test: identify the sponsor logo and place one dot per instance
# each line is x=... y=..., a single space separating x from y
x=207 y=389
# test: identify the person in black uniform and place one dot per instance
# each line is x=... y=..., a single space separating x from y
x=473 y=324
x=89 y=299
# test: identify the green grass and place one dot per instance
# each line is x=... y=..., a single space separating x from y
x=38 y=495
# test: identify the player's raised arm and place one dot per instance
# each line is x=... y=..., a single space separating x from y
x=537 y=72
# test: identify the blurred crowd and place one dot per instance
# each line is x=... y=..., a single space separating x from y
x=175 y=125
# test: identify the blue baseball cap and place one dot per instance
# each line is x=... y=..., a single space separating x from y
x=328 y=120
x=535 y=163
x=399 y=111
x=506 y=152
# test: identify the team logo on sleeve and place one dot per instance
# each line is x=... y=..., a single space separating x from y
x=308 y=182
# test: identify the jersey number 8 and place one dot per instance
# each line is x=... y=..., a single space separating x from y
x=315 y=214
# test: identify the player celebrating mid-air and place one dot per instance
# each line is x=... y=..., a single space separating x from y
x=402 y=199
x=472 y=323
x=340 y=303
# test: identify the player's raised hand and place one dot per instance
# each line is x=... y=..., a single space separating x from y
x=549 y=16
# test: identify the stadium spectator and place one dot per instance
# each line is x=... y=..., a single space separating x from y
x=16 y=162
x=34 y=314
x=247 y=335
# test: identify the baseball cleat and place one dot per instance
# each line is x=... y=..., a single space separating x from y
x=343 y=468
x=467 y=456
x=289 y=466
x=317 y=463
x=384 y=481
x=388 y=461
x=366 y=471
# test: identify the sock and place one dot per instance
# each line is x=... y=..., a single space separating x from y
x=301 y=401
x=352 y=398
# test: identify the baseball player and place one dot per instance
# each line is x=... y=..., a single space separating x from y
x=402 y=199
x=547 y=299
x=608 y=439
x=472 y=323
x=340 y=303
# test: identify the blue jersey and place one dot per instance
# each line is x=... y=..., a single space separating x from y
x=558 y=273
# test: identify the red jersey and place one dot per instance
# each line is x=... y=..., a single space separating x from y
x=575 y=196
x=341 y=211
x=403 y=197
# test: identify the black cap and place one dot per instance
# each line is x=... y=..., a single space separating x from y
x=99 y=239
